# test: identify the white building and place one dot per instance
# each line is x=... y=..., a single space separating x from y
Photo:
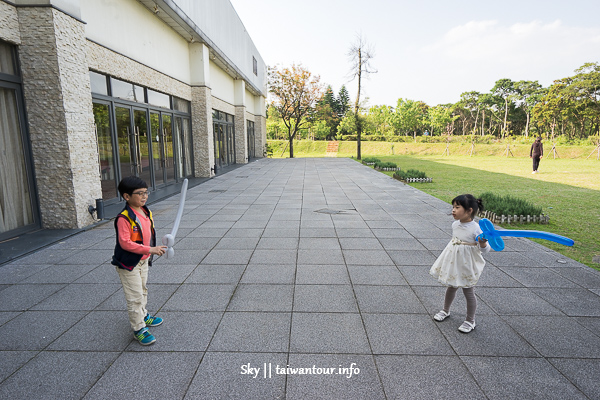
x=95 y=90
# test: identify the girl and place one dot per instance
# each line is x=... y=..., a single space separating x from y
x=461 y=263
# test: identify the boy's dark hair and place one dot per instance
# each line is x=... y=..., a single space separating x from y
x=469 y=201
x=131 y=183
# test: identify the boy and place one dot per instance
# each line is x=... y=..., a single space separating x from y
x=136 y=243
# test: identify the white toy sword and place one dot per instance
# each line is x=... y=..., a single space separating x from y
x=169 y=239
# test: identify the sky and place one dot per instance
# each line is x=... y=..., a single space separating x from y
x=426 y=50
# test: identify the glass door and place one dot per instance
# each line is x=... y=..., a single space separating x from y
x=108 y=178
x=140 y=129
x=183 y=147
x=167 y=130
x=125 y=142
x=158 y=151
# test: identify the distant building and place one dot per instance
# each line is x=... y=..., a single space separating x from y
x=95 y=90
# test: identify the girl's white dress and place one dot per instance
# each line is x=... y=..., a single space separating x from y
x=461 y=262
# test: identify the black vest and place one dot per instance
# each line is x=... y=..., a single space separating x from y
x=126 y=259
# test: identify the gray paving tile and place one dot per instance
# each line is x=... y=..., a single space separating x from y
x=166 y=273
x=345 y=376
x=328 y=333
x=15 y=273
x=324 y=298
x=322 y=274
x=12 y=361
x=491 y=337
x=555 y=336
x=105 y=273
x=269 y=273
x=320 y=256
x=585 y=277
x=88 y=257
x=183 y=256
x=237 y=243
x=418 y=275
x=23 y=297
x=426 y=377
x=573 y=302
x=181 y=332
x=388 y=299
x=273 y=257
x=496 y=277
x=413 y=257
x=59 y=274
x=195 y=297
x=432 y=298
x=354 y=233
x=262 y=297
x=375 y=275
x=78 y=297
x=520 y=378
x=319 y=244
x=516 y=301
x=402 y=244
x=582 y=373
x=277 y=244
x=281 y=232
x=73 y=370
x=317 y=232
x=360 y=244
x=206 y=273
x=225 y=375
x=252 y=332
x=228 y=257
x=538 y=277
x=397 y=334
x=25 y=333
x=171 y=372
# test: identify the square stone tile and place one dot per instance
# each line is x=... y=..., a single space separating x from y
x=23 y=297
x=262 y=297
x=425 y=377
x=538 y=277
x=225 y=375
x=348 y=376
x=573 y=302
x=491 y=337
x=228 y=257
x=20 y=333
x=432 y=298
x=520 y=378
x=328 y=333
x=322 y=274
x=252 y=332
x=324 y=298
x=181 y=332
x=269 y=273
x=59 y=274
x=354 y=233
x=317 y=232
x=172 y=372
x=67 y=375
x=585 y=277
x=360 y=244
x=78 y=297
x=192 y=243
x=244 y=233
x=367 y=257
x=237 y=243
x=555 y=336
x=319 y=243
x=166 y=273
x=396 y=334
x=402 y=244
x=15 y=273
x=206 y=273
x=582 y=373
x=388 y=299
x=13 y=360
x=516 y=301
x=194 y=297
x=277 y=244
x=274 y=257
x=413 y=257
x=418 y=275
x=495 y=277
x=320 y=256
x=375 y=275
x=281 y=232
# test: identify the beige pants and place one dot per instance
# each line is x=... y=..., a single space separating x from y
x=136 y=293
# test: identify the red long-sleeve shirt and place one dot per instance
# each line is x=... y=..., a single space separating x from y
x=125 y=235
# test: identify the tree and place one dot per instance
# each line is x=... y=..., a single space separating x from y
x=529 y=93
x=295 y=91
x=360 y=55
x=327 y=111
x=505 y=89
x=343 y=102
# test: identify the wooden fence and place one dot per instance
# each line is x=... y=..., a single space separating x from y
x=522 y=219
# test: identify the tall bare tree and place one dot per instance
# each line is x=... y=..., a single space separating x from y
x=295 y=93
x=360 y=56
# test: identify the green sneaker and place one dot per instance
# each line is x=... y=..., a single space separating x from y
x=152 y=321
x=144 y=337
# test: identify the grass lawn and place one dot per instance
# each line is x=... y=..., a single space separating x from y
x=568 y=190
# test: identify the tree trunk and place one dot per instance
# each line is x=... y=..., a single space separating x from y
x=527 y=127
x=483 y=124
x=356 y=105
x=291 y=147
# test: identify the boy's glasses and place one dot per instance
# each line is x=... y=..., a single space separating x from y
x=142 y=194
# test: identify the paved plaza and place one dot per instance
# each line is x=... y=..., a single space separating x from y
x=299 y=279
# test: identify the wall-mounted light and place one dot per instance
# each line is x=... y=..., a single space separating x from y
x=156 y=10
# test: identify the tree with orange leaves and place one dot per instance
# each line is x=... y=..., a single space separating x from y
x=295 y=94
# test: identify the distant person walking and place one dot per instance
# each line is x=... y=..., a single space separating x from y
x=536 y=153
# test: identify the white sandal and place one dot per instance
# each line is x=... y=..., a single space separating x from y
x=440 y=316
x=467 y=327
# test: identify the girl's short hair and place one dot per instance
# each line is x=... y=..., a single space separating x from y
x=131 y=183
x=469 y=201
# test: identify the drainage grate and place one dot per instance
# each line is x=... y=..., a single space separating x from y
x=242 y=176
x=329 y=211
x=217 y=191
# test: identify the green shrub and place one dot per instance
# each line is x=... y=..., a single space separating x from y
x=385 y=164
x=507 y=205
x=409 y=173
x=368 y=160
